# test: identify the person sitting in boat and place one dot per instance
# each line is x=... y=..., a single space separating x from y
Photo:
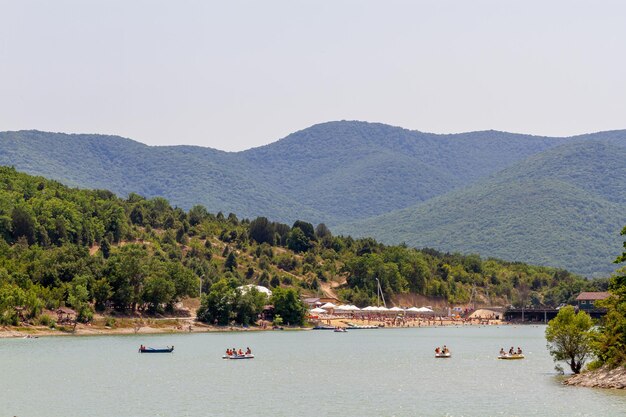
x=248 y=351
x=511 y=351
x=240 y=353
x=437 y=350
x=142 y=348
x=502 y=352
x=519 y=350
x=228 y=352
x=445 y=349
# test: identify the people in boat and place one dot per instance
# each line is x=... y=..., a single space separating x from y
x=445 y=349
x=519 y=350
x=502 y=352
x=142 y=348
x=438 y=350
x=240 y=352
x=228 y=352
x=511 y=351
x=248 y=351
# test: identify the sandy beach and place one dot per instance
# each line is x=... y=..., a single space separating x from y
x=129 y=326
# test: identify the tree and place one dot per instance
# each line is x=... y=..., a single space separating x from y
x=231 y=262
x=105 y=247
x=158 y=290
x=297 y=240
x=569 y=337
x=307 y=229
x=322 y=231
x=217 y=305
x=610 y=347
x=288 y=305
x=261 y=231
x=23 y=224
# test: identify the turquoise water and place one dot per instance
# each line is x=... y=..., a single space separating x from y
x=386 y=372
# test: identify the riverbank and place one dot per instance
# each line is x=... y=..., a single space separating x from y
x=129 y=326
x=600 y=378
x=121 y=327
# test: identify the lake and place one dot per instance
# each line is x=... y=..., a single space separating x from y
x=384 y=372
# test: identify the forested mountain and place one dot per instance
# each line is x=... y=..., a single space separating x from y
x=342 y=172
x=564 y=207
x=89 y=249
x=332 y=172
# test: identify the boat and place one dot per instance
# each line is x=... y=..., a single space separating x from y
x=323 y=328
x=443 y=355
x=340 y=330
x=144 y=349
x=246 y=356
x=352 y=326
x=511 y=357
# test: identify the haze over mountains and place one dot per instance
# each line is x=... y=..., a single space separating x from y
x=552 y=201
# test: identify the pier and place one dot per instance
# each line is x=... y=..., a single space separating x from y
x=542 y=315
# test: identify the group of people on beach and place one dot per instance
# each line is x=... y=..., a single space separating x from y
x=238 y=352
x=443 y=350
x=512 y=351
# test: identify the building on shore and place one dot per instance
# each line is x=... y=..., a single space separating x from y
x=587 y=300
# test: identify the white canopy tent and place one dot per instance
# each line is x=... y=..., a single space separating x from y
x=318 y=310
x=328 y=306
x=395 y=309
x=425 y=310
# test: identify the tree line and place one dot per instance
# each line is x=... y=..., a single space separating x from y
x=93 y=251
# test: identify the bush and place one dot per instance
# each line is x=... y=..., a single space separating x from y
x=45 y=320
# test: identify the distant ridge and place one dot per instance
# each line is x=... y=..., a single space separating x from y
x=337 y=172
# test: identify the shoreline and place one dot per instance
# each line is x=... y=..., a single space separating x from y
x=191 y=326
x=605 y=378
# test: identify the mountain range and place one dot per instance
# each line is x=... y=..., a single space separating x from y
x=546 y=200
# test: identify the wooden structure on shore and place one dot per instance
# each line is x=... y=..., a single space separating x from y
x=542 y=315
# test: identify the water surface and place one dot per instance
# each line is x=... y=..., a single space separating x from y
x=387 y=372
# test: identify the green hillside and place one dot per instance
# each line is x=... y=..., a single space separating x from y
x=564 y=207
x=332 y=172
x=93 y=251
x=340 y=173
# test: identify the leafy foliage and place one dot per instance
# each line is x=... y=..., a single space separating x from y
x=569 y=337
x=94 y=251
x=610 y=347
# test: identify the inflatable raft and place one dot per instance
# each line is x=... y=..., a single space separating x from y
x=511 y=357
x=248 y=356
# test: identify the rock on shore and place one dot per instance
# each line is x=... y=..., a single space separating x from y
x=600 y=378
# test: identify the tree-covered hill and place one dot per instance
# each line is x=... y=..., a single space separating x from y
x=184 y=174
x=563 y=207
x=343 y=172
x=91 y=250
x=331 y=172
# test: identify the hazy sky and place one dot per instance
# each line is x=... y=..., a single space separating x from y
x=236 y=74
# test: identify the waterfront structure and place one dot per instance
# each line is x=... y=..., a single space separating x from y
x=587 y=300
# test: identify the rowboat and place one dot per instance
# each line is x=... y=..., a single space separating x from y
x=156 y=350
x=511 y=357
x=248 y=356
x=443 y=355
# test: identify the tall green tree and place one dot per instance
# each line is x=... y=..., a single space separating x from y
x=610 y=346
x=288 y=305
x=570 y=337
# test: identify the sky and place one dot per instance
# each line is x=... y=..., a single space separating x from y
x=238 y=74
